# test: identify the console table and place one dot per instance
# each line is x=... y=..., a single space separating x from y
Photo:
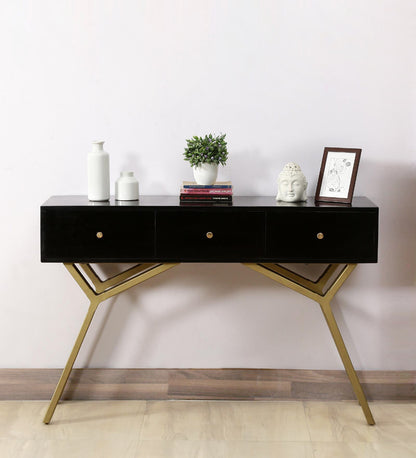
x=157 y=233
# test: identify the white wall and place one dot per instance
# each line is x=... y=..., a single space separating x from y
x=283 y=79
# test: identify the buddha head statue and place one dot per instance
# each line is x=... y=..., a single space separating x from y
x=291 y=184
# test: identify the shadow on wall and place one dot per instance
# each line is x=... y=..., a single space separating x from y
x=393 y=188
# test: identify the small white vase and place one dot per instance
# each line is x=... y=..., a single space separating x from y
x=127 y=187
x=205 y=174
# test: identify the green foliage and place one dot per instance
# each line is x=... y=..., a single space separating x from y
x=210 y=149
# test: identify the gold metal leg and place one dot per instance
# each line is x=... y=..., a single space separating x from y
x=71 y=360
x=314 y=290
x=103 y=290
x=349 y=368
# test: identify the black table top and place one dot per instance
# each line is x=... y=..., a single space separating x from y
x=173 y=201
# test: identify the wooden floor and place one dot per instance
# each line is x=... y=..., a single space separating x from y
x=235 y=429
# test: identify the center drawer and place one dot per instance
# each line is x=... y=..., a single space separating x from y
x=213 y=235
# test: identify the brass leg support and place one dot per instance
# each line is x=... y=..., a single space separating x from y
x=67 y=370
x=315 y=291
x=102 y=290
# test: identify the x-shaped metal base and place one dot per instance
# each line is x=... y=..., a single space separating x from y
x=98 y=290
x=315 y=291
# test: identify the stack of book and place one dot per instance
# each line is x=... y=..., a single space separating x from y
x=220 y=192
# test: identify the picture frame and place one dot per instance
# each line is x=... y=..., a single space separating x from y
x=338 y=174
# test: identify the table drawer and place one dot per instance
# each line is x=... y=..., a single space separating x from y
x=323 y=236
x=214 y=235
x=97 y=234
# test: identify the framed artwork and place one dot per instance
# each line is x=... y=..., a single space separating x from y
x=337 y=175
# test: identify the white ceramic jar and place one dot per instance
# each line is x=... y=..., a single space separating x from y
x=127 y=187
x=205 y=174
x=98 y=173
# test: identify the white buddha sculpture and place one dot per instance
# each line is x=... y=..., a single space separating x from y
x=292 y=184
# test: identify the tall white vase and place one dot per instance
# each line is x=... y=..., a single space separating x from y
x=205 y=174
x=98 y=173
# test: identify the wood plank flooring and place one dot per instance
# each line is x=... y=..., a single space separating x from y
x=205 y=429
x=224 y=384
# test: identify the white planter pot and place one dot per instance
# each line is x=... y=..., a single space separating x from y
x=205 y=174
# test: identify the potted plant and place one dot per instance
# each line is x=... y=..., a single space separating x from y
x=204 y=154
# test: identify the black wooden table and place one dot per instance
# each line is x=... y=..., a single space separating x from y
x=158 y=232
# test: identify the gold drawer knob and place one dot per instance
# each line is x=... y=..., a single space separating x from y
x=209 y=235
x=320 y=235
x=99 y=235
